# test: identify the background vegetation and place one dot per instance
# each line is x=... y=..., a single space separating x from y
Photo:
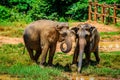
x=30 y=10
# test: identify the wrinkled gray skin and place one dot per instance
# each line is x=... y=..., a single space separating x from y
x=42 y=36
x=87 y=42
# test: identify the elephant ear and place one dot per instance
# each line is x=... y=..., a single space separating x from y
x=93 y=32
x=62 y=25
x=74 y=30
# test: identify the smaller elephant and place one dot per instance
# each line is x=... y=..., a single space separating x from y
x=41 y=36
x=87 y=41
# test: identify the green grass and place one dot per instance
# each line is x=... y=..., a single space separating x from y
x=117 y=24
x=31 y=72
x=108 y=34
x=109 y=65
x=13 y=62
x=12 y=29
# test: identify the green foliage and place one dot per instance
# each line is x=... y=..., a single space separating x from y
x=62 y=10
x=4 y=12
x=78 y=10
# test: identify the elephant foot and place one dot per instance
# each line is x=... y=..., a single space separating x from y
x=73 y=67
x=98 y=60
x=43 y=64
x=50 y=65
x=79 y=70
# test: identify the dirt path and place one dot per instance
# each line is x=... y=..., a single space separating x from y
x=8 y=40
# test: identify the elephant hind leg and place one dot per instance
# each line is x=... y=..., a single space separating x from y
x=97 y=55
x=51 y=53
x=30 y=51
x=38 y=52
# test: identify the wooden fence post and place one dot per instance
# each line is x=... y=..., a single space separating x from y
x=90 y=10
x=95 y=11
x=114 y=14
x=102 y=13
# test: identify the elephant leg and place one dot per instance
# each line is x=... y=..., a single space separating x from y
x=76 y=52
x=44 y=54
x=38 y=52
x=87 y=55
x=30 y=51
x=97 y=55
x=51 y=53
x=75 y=56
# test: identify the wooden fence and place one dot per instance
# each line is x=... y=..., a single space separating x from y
x=104 y=12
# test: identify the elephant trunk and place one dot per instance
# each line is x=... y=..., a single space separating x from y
x=80 y=61
x=68 y=45
x=82 y=43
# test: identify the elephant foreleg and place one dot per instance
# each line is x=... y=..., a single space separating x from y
x=87 y=55
x=51 y=53
x=75 y=56
x=76 y=52
x=97 y=55
x=44 y=54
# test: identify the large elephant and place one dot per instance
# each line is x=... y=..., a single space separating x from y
x=42 y=36
x=87 y=42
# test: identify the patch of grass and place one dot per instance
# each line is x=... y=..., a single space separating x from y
x=12 y=29
x=14 y=63
x=108 y=34
x=117 y=24
x=109 y=65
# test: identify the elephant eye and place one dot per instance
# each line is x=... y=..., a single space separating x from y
x=86 y=36
x=64 y=34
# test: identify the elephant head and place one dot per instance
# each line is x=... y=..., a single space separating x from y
x=64 y=37
x=86 y=35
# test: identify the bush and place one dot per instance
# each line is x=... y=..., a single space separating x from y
x=4 y=12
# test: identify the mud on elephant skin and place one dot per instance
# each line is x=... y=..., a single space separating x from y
x=41 y=36
x=87 y=41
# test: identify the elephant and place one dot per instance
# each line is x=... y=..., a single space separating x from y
x=87 y=41
x=41 y=37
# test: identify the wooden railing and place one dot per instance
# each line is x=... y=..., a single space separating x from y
x=103 y=12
